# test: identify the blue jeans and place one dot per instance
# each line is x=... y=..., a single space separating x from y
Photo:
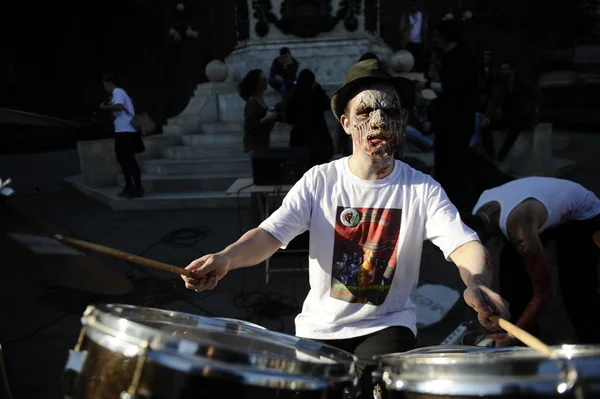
x=477 y=134
x=413 y=134
x=285 y=88
x=426 y=142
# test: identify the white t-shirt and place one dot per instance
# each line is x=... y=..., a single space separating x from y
x=564 y=200
x=365 y=245
x=123 y=119
x=416 y=21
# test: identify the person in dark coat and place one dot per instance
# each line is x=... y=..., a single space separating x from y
x=513 y=105
x=453 y=115
x=305 y=111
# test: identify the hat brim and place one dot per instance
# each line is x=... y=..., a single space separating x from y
x=404 y=87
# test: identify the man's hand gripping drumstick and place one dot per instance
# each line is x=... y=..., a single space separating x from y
x=251 y=249
x=476 y=269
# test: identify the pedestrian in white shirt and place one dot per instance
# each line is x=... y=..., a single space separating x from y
x=128 y=141
x=413 y=27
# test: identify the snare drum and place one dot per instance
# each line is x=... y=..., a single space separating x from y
x=133 y=352
x=468 y=372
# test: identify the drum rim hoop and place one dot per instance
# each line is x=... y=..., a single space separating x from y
x=479 y=370
x=101 y=319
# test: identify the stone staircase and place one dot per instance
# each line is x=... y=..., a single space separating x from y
x=193 y=171
x=200 y=156
x=191 y=165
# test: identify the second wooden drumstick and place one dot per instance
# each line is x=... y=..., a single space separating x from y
x=125 y=256
x=596 y=238
x=523 y=336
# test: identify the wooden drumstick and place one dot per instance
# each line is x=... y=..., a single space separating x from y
x=523 y=336
x=126 y=256
x=597 y=238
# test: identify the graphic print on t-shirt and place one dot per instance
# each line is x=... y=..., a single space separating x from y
x=364 y=254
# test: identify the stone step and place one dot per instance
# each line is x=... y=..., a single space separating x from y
x=172 y=129
x=186 y=152
x=176 y=127
x=203 y=167
x=184 y=183
x=216 y=153
x=216 y=127
x=230 y=138
x=155 y=201
x=238 y=126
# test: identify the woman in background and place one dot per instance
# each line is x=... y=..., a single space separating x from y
x=258 y=124
x=258 y=119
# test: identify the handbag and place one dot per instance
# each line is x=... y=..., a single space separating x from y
x=141 y=121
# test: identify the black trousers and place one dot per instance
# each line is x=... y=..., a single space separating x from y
x=417 y=50
x=514 y=124
x=577 y=258
x=126 y=146
x=389 y=340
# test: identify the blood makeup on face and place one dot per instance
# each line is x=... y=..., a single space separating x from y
x=377 y=121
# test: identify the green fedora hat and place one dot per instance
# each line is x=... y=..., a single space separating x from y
x=370 y=71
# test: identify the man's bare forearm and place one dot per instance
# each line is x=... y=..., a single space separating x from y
x=531 y=250
x=474 y=264
x=538 y=270
x=252 y=248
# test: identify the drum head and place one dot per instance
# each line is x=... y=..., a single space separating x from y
x=191 y=343
x=481 y=371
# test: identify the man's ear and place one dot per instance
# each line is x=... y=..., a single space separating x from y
x=345 y=122
x=404 y=116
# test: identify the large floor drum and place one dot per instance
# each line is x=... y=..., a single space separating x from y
x=133 y=352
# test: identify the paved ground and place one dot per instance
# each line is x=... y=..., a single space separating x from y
x=40 y=320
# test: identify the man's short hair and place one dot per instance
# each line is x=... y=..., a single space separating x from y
x=284 y=51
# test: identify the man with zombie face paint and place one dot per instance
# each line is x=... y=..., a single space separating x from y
x=368 y=215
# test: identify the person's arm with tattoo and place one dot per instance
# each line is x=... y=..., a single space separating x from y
x=523 y=235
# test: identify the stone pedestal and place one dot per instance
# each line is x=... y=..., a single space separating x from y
x=99 y=167
x=325 y=36
x=347 y=30
x=328 y=59
x=98 y=162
